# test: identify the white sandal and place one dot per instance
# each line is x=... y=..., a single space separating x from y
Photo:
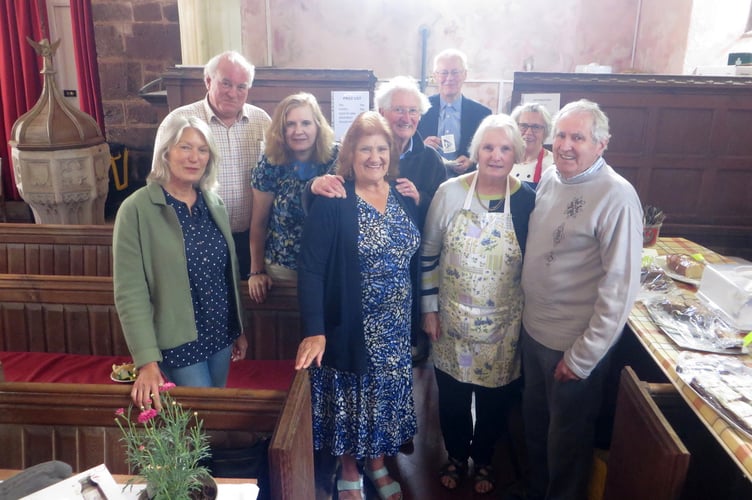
x=387 y=490
x=343 y=485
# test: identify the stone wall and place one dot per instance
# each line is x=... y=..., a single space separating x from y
x=136 y=41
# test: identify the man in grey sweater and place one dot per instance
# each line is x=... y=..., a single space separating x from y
x=580 y=279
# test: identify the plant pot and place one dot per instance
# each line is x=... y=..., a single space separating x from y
x=208 y=491
x=650 y=235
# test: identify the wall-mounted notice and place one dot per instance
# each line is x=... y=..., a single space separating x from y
x=345 y=107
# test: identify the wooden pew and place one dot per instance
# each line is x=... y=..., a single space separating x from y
x=75 y=423
x=77 y=315
x=272 y=328
x=56 y=249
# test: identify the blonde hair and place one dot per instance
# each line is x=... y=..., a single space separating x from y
x=277 y=151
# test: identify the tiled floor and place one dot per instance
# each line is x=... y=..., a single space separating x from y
x=417 y=471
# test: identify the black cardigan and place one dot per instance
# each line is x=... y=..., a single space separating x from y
x=329 y=279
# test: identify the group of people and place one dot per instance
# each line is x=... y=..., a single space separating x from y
x=433 y=219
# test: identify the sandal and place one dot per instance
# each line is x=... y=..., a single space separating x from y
x=343 y=485
x=455 y=470
x=484 y=474
x=387 y=490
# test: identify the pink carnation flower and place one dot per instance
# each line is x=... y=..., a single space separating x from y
x=166 y=386
x=146 y=415
x=119 y=412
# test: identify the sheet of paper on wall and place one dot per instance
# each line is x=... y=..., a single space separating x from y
x=94 y=484
x=345 y=107
x=552 y=102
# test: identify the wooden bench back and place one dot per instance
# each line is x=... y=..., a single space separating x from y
x=646 y=459
x=75 y=424
x=56 y=249
x=77 y=315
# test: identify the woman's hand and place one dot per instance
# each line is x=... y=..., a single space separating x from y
x=406 y=188
x=431 y=324
x=258 y=285
x=239 y=347
x=310 y=350
x=145 y=391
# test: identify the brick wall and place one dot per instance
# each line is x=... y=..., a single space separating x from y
x=136 y=41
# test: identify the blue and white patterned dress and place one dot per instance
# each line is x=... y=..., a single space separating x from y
x=371 y=415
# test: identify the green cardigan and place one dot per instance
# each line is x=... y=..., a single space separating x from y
x=152 y=290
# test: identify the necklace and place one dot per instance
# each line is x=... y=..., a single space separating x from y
x=493 y=205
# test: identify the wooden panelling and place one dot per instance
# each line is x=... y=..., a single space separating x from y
x=74 y=423
x=81 y=250
x=185 y=85
x=684 y=142
x=77 y=315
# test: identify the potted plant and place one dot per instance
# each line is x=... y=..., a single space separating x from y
x=166 y=449
x=652 y=220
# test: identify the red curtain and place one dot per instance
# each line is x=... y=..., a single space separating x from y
x=20 y=78
x=86 y=60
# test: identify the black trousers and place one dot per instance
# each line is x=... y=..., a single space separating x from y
x=462 y=439
x=243 y=250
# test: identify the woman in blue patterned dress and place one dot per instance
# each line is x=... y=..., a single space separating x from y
x=299 y=146
x=355 y=291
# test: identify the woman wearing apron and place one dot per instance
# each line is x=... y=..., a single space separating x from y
x=471 y=260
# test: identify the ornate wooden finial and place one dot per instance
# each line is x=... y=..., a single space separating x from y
x=45 y=49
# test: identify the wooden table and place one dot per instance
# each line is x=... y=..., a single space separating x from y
x=665 y=352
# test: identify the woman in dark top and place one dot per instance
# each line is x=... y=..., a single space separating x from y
x=354 y=288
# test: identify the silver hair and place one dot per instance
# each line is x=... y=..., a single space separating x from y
x=383 y=96
x=450 y=54
x=498 y=122
x=210 y=69
x=172 y=131
x=534 y=107
x=599 y=129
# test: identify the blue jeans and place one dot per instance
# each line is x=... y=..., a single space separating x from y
x=210 y=373
x=559 y=423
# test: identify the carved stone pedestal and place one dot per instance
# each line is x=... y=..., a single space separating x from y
x=67 y=186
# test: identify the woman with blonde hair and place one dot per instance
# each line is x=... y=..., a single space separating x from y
x=299 y=146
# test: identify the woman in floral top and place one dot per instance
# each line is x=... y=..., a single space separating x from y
x=300 y=146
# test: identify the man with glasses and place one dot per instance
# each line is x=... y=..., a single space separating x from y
x=450 y=124
x=238 y=129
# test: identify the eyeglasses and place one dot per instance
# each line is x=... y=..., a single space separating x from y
x=531 y=126
x=444 y=73
x=413 y=112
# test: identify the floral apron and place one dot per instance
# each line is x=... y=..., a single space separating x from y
x=480 y=298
